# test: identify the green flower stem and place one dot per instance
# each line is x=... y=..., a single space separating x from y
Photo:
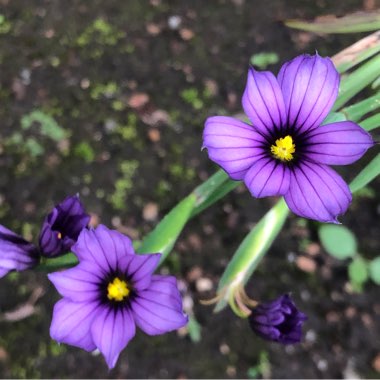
x=163 y=237
x=49 y=265
x=251 y=251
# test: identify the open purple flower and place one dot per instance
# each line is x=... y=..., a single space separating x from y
x=62 y=227
x=15 y=252
x=286 y=151
x=109 y=292
x=278 y=321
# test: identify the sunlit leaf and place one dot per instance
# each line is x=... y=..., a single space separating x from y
x=352 y=23
x=357 y=53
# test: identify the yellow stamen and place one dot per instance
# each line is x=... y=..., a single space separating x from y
x=284 y=149
x=117 y=290
x=59 y=235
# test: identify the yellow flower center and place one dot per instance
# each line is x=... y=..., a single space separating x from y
x=284 y=149
x=117 y=290
x=59 y=235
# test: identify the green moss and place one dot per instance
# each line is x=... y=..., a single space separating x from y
x=87 y=178
x=124 y=184
x=56 y=349
x=127 y=132
x=192 y=97
x=84 y=150
x=5 y=25
x=182 y=172
x=118 y=105
x=163 y=188
x=107 y=90
x=101 y=32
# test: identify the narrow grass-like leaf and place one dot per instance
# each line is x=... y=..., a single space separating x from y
x=371 y=123
x=357 y=80
x=356 y=111
x=219 y=193
x=370 y=172
x=251 y=251
x=376 y=83
x=163 y=237
x=357 y=52
x=334 y=117
x=352 y=23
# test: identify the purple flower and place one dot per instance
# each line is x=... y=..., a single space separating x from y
x=287 y=150
x=278 y=321
x=62 y=227
x=109 y=292
x=15 y=252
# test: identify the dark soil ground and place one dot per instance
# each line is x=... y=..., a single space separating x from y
x=130 y=84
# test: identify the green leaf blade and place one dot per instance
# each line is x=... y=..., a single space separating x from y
x=374 y=270
x=338 y=241
x=370 y=172
x=163 y=237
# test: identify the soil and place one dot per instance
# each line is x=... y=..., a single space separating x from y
x=130 y=84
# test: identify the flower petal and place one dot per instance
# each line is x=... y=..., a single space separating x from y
x=78 y=284
x=139 y=268
x=267 y=177
x=62 y=226
x=103 y=246
x=263 y=102
x=317 y=192
x=15 y=252
x=71 y=323
x=158 y=309
x=88 y=247
x=310 y=87
x=232 y=144
x=111 y=330
x=340 y=143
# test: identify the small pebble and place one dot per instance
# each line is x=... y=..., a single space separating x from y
x=150 y=212
x=376 y=363
x=306 y=264
x=204 y=284
x=174 y=22
x=322 y=365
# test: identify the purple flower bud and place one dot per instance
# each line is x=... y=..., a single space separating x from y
x=62 y=227
x=15 y=252
x=278 y=321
